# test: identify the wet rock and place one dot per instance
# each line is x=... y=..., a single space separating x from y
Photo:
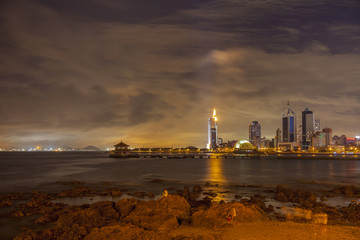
x=237 y=196
x=216 y=215
x=348 y=190
x=197 y=189
x=6 y=203
x=211 y=194
x=281 y=197
x=258 y=202
x=16 y=214
x=76 y=192
x=284 y=194
x=114 y=192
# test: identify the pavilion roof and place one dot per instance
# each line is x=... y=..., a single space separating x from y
x=121 y=144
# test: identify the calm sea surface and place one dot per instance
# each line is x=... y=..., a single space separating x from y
x=26 y=171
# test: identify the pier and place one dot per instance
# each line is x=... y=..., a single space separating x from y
x=183 y=155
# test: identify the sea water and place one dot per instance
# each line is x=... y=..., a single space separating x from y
x=27 y=171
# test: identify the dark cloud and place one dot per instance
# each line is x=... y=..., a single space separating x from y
x=146 y=107
x=53 y=106
x=126 y=11
x=152 y=71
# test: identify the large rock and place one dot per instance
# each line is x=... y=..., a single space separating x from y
x=106 y=209
x=216 y=215
x=163 y=214
x=97 y=215
x=126 y=206
x=284 y=194
x=348 y=190
x=128 y=232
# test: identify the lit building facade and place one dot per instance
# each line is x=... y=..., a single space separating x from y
x=317 y=124
x=277 y=138
x=289 y=125
x=308 y=127
x=328 y=136
x=255 y=134
x=212 y=131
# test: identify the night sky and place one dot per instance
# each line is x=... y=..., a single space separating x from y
x=150 y=72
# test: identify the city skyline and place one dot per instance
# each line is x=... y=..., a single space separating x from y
x=150 y=74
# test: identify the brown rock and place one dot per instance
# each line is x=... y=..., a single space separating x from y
x=106 y=209
x=163 y=214
x=280 y=196
x=216 y=215
x=76 y=192
x=89 y=218
x=125 y=206
x=6 y=203
x=114 y=192
x=197 y=189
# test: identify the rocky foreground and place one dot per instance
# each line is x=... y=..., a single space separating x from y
x=181 y=216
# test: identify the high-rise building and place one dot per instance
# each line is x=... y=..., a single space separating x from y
x=328 y=136
x=336 y=140
x=212 y=131
x=277 y=138
x=308 y=127
x=299 y=134
x=255 y=134
x=317 y=125
x=289 y=125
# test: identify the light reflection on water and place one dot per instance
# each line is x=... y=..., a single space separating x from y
x=215 y=172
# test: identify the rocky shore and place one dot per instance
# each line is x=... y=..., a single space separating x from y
x=189 y=213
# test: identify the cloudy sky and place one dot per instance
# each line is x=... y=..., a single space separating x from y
x=150 y=72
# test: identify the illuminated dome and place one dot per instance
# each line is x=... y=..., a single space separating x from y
x=244 y=145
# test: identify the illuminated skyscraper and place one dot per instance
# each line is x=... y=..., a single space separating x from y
x=277 y=138
x=212 y=131
x=317 y=125
x=328 y=136
x=308 y=127
x=289 y=125
x=255 y=134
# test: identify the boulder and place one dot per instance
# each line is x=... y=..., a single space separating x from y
x=89 y=218
x=197 y=189
x=163 y=214
x=125 y=206
x=106 y=209
x=216 y=215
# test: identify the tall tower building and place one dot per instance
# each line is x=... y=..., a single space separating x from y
x=289 y=125
x=328 y=136
x=255 y=134
x=212 y=131
x=308 y=127
x=277 y=138
x=317 y=125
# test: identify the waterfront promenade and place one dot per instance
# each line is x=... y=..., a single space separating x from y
x=226 y=155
